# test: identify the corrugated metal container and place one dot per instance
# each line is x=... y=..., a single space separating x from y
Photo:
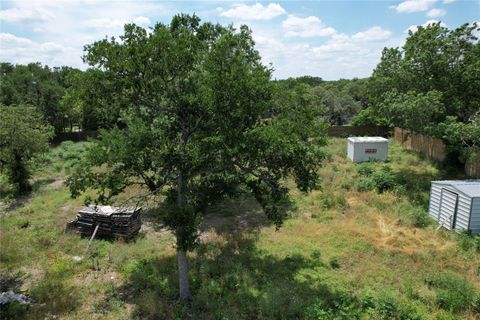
x=367 y=148
x=455 y=204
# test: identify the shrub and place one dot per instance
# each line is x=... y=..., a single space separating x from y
x=365 y=184
x=420 y=218
x=389 y=306
x=453 y=293
x=57 y=295
x=382 y=179
x=7 y=190
x=477 y=243
x=334 y=263
x=476 y=303
x=12 y=310
x=336 y=306
x=346 y=186
x=365 y=169
x=332 y=200
x=465 y=241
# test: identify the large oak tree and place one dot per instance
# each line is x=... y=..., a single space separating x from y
x=199 y=124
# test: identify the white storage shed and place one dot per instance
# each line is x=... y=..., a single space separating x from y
x=367 y=148
x=455 y=204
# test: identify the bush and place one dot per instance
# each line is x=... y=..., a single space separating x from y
x=365 y=169
x=382 y=179
x=345 y=186
x=337 y=306
x=365 y=184
x=12 y=310
x=389 y=306
x=7 y=190
x=477 y=243
x=453 y=293
x=465 y=241
x=420 y=218
x=53 y=291
x=332 y=200
x=334 y=263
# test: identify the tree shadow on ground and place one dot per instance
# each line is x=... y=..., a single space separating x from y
x=230 y=278
x=418 y=184
x=239 y=214
x=233 y=280
x=20 y=200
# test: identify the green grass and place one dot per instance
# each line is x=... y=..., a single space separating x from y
x=349 y=251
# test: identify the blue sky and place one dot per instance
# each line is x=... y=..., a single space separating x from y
x=330 y=39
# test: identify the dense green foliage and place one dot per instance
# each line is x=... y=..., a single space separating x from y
x=41 y=87
x=200 y=124
x=23 y=133
x=341 y=99
x=66 y=97
x=430 y=86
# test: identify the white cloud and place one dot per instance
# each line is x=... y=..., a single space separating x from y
x=63 y=27
x=448 y=1
x=336 y=56
x=410 y=6
x=25 y=15
x=141 y=20
x=7 y=39
x=414 y=28
x=306 y=27
x=372 y=34
x=254 y=12
x=435 y=13
x=23 y=50
x=103 y=23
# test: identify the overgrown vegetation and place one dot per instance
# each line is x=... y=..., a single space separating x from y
x=343 y=254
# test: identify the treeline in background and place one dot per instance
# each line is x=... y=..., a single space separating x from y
x=429 y=86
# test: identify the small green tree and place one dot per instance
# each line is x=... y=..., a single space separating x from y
x=23 y=133
x=199 y=126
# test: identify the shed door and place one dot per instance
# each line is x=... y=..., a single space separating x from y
x=448 y=208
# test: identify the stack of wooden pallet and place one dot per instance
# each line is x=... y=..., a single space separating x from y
x=111 y=221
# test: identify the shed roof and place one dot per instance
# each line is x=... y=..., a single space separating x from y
x=470 y=187
x=367 y=139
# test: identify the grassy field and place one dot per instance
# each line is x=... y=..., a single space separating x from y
x=362 y=247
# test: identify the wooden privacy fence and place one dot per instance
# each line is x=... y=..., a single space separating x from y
x=433 y=148
x=472 y=166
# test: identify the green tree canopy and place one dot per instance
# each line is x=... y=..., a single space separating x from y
x=42 y=87
x=23 y=133
x=436 y=65
x=199 y=125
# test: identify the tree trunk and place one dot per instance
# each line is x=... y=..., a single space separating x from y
x=183 y=275
x=181 y=254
